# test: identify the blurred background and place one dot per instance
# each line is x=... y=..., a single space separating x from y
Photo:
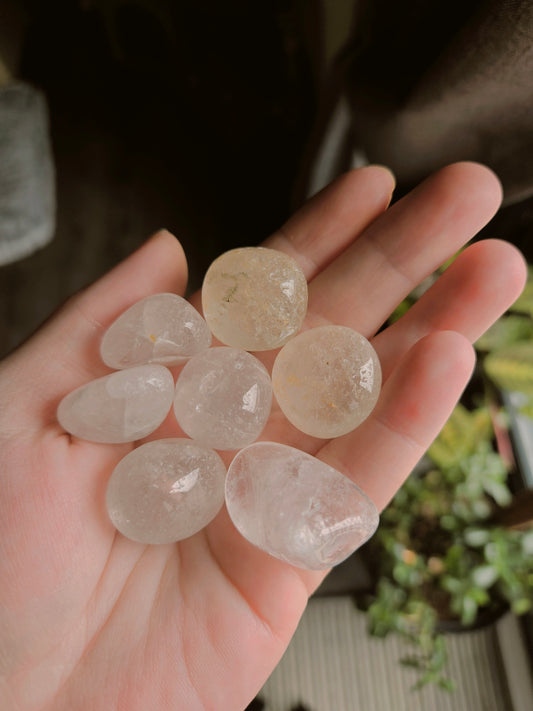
x=190 y=116
x=216 y=121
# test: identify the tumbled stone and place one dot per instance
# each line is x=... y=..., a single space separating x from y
x=165 y=490
x=254 y=298
x=223 y=398
x=121 y=407
x=327 y=380
x=162 y=328
x=297 y=508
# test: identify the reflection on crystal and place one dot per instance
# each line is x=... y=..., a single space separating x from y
x=366 y=373
x=327 y=380
x=186 y=482
x=165 y=490
x=120 y=407
x=162 y=328
x=296 y=507
x=223 y=398
x=249 y=399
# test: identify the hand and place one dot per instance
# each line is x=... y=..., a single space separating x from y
x=91 y=620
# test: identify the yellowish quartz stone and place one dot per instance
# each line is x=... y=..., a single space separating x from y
x=327 y=380
x=254 y=298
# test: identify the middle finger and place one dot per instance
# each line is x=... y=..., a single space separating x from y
x=403 y=246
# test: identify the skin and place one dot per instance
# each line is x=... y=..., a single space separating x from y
x=91 y=620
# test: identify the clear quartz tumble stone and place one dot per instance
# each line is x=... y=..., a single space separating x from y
x=297 y=508
x=162 y=328
x=254 y=298
x=327 y=380
x=120 y=407
x=165 y=490
x=223 y=398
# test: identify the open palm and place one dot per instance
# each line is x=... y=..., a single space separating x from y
x=91 y=620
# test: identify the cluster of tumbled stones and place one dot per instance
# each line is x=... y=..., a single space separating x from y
x=326 y=381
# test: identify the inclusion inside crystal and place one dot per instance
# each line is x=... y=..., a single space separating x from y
x=165 y=490
x=254 y=298
x=223 y=398
x=162 y=328
x=295 y=507
x=327 y=380
x=120 y=407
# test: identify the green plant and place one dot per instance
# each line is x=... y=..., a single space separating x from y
x=444 y=548
x=442 y=553
x=506 y=350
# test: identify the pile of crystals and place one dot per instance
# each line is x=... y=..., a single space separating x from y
x=326 y=381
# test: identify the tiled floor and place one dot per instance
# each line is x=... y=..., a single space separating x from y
x=333 y=665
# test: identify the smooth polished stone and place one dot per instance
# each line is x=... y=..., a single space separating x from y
x=297 y=508
x=165 y=490
x=120 y=407
x=254 y=298
x=162 y=328
x=223 y=398
x=327 y=380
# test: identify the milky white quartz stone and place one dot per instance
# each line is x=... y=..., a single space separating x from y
x=165 y=490
x=297 y=508
x=223 y=398
x=120 y=407
x=162 y=328
x=327 y=380
x=254 y=298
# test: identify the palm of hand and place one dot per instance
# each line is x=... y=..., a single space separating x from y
x=89 y=619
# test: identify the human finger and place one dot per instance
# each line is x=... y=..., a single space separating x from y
x=64 y=353
x=403 y=246
x=468 y=297
x=414 y=405
x=333 y=218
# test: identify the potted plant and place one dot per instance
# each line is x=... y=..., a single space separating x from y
x=455 y=546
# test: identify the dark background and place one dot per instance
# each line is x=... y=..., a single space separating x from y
x=195 y=116
x=188 y=115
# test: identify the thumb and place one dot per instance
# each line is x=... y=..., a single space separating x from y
x=64 y=353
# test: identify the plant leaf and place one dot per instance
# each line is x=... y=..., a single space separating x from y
x=476 y=537
x=521 y=606
x=524 y=303
x=506 y=331
x=485 y=575
x=511 y=368
x=527 y=543
x=461 y=436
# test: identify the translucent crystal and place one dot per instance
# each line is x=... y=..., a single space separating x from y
x=120 y=407
x=295 y=507
x=165 y=490
x=327 y=380
x=223 y=398
x=254 y=298
x=163 y=328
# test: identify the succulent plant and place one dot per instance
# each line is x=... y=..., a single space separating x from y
x=456 y=543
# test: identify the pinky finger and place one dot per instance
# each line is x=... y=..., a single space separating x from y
x=414 y=405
